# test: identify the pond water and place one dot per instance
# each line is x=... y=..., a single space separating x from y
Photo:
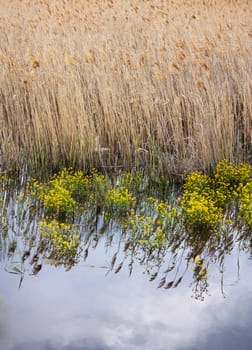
x=88 y=308
x=117 y=293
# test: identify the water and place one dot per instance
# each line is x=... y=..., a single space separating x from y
x=107 y=301
x=89 y=308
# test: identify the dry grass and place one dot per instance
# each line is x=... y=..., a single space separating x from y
x=161 y=84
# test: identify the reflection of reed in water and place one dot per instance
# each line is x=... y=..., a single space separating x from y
x=128 y=241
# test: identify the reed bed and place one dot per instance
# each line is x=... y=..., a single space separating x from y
x=161 y=85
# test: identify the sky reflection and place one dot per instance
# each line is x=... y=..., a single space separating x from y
x=87 y=309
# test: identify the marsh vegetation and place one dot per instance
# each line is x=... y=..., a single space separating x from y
x=125 y=146
x=145 y=222
x=164 y=86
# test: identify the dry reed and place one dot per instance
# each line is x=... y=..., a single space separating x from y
x=165 y=85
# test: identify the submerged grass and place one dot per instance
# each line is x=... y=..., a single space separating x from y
x=165 y=86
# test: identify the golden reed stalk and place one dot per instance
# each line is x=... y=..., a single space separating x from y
x=165 y=85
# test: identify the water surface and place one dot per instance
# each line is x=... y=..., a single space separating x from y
x=114 y=298
x=88 y=308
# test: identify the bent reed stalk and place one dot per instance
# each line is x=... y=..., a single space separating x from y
x=163 y=85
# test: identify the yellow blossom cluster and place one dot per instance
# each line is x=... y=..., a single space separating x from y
x=201 y=213
x=64 y=192
x=63 y=239
x=119 y=200
x=245 y=204
x=59 y=198
x=200 y=270
x=205 y=200
x=198 y=183
x=199 y=208
x=228 y=178
x=76 y=183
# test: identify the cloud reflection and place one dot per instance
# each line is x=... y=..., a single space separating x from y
x=84 y=310
x=83 y=345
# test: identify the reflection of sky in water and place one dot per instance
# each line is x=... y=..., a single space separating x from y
x=85 y=310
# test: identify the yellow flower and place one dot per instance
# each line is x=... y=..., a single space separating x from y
x=198 y=260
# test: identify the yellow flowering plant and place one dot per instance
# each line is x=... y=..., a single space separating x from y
x=119 y=201
x=228 y=178
x=199 y=269
x=64 y=193
x=201 y=213
x=199 y=209
x=63 y=240
x=245 y=204
x=205 y=201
